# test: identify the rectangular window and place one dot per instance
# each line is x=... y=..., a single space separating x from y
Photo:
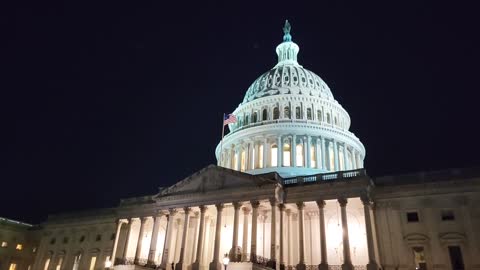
x=4 y=244
x=47 y=262
x=92 y=263
x=242 y=161
x=313 y=159
x=19 y=247
x=412 y=217
x=447 y=215
x=13 y=266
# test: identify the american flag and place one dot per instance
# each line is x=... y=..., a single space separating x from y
x=229 y=119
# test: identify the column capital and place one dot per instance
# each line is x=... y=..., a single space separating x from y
x=143 y=219
x=203 y=208
x=172 y=212
x=219 y=206
x=187 y=210
x=246 y=210
x=343 y=202
x=237 y=205
x=367 y=201
x=281 y=206
x=300 y=205
x=255 y=204
x=320 y=204
x=288 y=212
x=273 y=202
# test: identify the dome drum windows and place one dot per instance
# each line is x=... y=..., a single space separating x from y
x=276 y=113
x=298 y=113
x=264 y=115
x=309 y=114
x=286 y=112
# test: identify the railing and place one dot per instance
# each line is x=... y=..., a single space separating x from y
x=324 y=177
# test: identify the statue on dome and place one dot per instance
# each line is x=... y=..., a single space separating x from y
x=286 y=31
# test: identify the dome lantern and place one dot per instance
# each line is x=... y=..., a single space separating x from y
x=287 y=51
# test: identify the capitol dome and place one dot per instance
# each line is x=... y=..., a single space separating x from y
x=290 y=123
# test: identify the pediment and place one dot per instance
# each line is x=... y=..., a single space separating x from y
x=416 y=238
x=452 y=237
x=213 y=178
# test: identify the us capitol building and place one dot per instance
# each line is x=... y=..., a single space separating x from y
x=289 y=191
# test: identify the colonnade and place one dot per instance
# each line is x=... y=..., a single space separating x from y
x=291 y=151
x=279 y=249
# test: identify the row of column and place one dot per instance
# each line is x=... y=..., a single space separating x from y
x=234 y=256
x=256 y=154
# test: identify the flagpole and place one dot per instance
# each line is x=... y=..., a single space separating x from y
x=221 y=142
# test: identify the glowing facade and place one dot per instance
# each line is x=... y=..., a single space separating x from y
x=290 y=123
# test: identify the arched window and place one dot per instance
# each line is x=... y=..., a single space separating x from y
x=313 y=157
x=243 y=161
x=298 y=114
x=264 y=115
x=309 y=114
x=328 y=118
x=286 y=112
x=286 y=154
x=276 y=113
x=335 y=122
x=260 y=156
x=254 y=117
x=273 y=156
x=319 y=115
x=246 y=119
x=299 y=154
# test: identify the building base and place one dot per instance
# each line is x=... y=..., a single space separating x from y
x=214 y=266
x=372 y=266
x=301 y=266
x=324 y=266
x=347 y=266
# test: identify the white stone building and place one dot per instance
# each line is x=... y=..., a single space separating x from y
x=289 y=192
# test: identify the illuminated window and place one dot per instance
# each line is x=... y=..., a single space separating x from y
x=286 y=154
x=13 y=266
x=419 y=257
x=341 y=165
x=286 y=112
x=298 y=114
x=276 y=113
x=19 y=247
x=331 y=157
x=242 y=161
x=299 y=155
x=59 y=264
x=76 y=262
x=313 y=157
x=274 y=155
x=34 y=249
x=260 y=156
x=264 y=115
x=92 y=263
x=4 y=244
x=309 y=114
x=235 y=161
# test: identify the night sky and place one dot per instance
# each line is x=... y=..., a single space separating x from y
x=107 y=100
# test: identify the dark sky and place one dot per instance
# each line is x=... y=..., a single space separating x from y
x=107 y=100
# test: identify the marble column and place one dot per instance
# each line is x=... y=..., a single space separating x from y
x=127 y=240
x=288 y=212
x=345 y=157
x=253 y=242
x=293 y=150
x=234 y=256
x=279 y=151
x=154 y=240
x=215 y=264
x=115 y=243
x=201 y=233
x=301 y=252
x=372 y=264
x=347 y=261
x=168 y=238
x=336 y=156
x=265 y=153
x=324 y=154
x=143 y=220
x=323 y=236
x=318 y=157
x=273 y=233
x=246 y=211
x=308 y=156
x=179 y=265
x=281 y=260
